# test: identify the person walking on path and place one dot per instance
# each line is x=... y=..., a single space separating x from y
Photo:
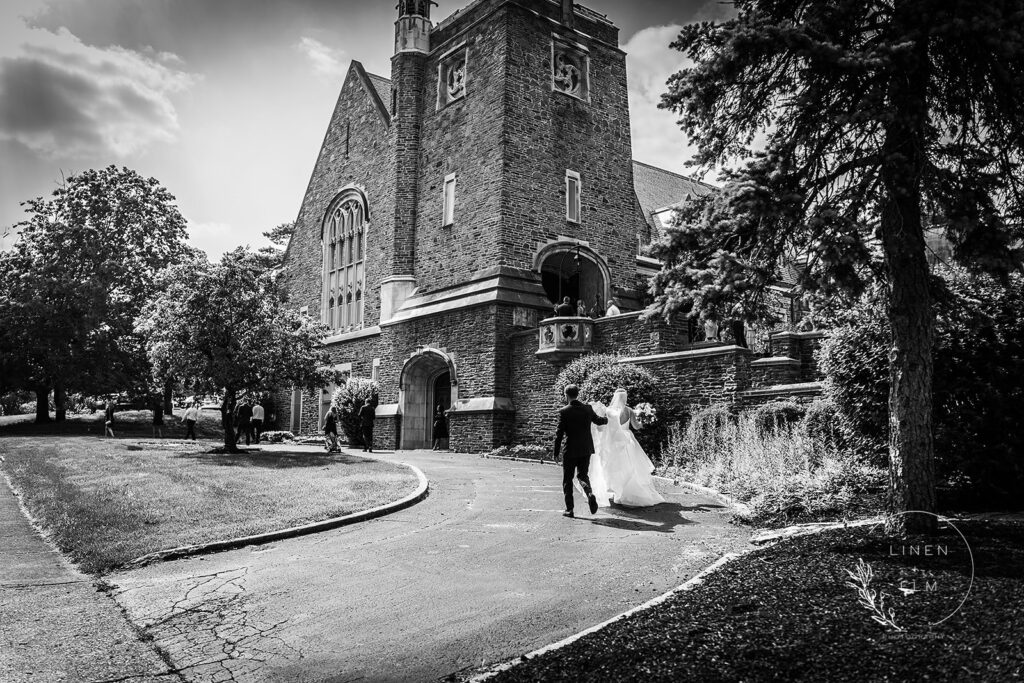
x=367 y=414
x=243 y=422
x=190 y=418
x=256 y=424
x=331 y=430
x=108 y=418
x=574 y=422
x=158 y=418
x=440 y=427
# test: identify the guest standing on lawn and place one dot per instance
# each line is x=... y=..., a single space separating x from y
x=108 y=418
x=256 y=424
x=158 y=418
x=190 y=418
x=331 y=430
x=367 y=414
x=243 y=420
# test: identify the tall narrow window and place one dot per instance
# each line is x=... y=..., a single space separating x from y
x=572 y=196
x=449 y=199
x=344 y=259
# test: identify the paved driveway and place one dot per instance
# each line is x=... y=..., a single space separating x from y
x=481 y=571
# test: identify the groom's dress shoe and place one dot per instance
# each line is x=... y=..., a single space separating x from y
x=568 y=513
x=592 y=501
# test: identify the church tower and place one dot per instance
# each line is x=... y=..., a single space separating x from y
x=408 y=67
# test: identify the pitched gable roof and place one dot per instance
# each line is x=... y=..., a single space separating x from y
x=658 y=189
x=382 y=86
x=376 y=89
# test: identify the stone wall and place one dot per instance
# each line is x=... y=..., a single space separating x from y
x=533 y=392
x=629 y=336
x=356 y=151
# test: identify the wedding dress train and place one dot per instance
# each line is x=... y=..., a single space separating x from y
x=620 y=471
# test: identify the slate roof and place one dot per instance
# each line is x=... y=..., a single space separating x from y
x=658 y=189
x=382 y=86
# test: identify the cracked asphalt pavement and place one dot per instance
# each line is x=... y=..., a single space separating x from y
x=481 y=571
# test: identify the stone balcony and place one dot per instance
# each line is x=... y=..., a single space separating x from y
x=565 y=337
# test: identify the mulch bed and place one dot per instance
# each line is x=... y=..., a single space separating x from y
x=787 y=613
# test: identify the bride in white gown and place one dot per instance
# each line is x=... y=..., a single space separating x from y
x=620 y=471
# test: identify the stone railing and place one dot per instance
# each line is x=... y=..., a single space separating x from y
x=565 y=337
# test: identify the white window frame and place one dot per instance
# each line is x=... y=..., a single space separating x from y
x=448 y=200
x=573 y=210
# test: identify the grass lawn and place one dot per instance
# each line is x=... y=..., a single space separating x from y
x=128 y=423
x=786 y=613
x=107 y=501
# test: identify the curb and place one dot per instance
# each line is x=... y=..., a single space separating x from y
x=687 y=586
x=422 y=489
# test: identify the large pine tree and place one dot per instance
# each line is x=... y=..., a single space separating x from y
x=860 y=124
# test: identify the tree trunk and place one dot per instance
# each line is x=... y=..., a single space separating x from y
x=168 y=399
x=911 y=447
x=60 y=401
x=42 y=405
x=227 y=415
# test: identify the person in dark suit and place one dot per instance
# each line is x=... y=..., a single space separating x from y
x=574 y=422
x=366 y=416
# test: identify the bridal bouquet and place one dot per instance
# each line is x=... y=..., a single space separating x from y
x=646 y=415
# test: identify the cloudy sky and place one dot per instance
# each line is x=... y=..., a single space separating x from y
x=226 y=101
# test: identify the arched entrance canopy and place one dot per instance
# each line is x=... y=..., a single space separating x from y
x=428 y=380
x=571 y=268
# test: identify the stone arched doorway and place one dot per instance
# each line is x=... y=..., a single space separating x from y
x=575 y=271
x=428 y=380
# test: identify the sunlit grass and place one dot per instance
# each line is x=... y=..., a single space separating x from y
x=105 y=502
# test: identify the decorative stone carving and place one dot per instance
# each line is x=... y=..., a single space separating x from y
x=451 y=77
x=570 y=70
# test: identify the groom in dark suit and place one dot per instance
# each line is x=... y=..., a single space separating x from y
x=574 y=422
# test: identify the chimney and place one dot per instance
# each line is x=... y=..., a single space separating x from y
x=567 y=14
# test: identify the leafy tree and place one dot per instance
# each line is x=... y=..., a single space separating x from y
x=279 y=237
x=847 y=114
x=349 y=398
x=978 y=396
x=223 y=327
x=70 y=289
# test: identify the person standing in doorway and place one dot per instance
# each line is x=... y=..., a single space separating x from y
x=256 y=424
x=440 y=427
x=367 y=414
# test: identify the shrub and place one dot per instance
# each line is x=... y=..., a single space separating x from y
x=782 y=473
x=776 y=415
x=578 y=371
x=641 y=387
x=349 y=398
x=978 y=394
x=276 y=437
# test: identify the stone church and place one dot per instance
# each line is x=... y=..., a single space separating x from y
x=452 y=205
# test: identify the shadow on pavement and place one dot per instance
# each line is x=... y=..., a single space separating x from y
x=662 y=518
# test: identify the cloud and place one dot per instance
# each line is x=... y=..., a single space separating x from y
x=326 y=61
x=62 y=98
x=657 y=138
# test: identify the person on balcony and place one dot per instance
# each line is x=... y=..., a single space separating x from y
x=581 y=309
x=565 y=309
x=613 y=308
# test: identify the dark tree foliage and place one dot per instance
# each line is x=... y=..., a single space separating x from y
x=83 y=265
x=978 y=397
x=859 y=123
x=224 y=328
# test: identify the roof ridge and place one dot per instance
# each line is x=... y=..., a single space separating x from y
x=677 y=175
x=376 y=76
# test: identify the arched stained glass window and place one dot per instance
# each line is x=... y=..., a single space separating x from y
x=344 y=232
